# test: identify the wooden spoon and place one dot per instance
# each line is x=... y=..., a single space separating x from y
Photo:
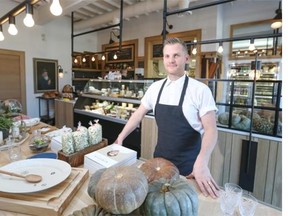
x=29 y=178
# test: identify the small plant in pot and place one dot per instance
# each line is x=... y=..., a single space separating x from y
x=5 y=125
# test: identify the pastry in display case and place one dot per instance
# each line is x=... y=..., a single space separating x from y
x=114 y=99
x=112 y=102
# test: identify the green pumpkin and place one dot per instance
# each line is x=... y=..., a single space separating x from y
x=93 y=182
x=235 y=119
x=223 y=118
x=243 y=124
x=175 y=199
x=121 y=190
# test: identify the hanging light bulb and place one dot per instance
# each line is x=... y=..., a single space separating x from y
x=93 y=59
x=278 y=18
x=115 y=56
x=1 y=34
x=220 y=48
x=75 y=61
x=12 y=28
x=103 y=57
x=194 y=51
x=276 y=25
x=28 y=20
x=56 y=8
x=84 y=59
x=251 y=46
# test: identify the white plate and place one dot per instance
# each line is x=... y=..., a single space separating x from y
x=52 y=171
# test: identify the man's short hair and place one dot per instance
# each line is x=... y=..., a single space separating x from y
x=170 y=41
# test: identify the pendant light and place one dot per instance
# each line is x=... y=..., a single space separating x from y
x=194 y=50
x=12 y=28
x=56 y=8
x=251 y=46
x=28 y=20
x=278 y=18
x=220 y=48
x=1 y=34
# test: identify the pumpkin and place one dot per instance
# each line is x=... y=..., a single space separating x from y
x=121 y=190
x=175 y=199
x=235 y=119
x=159 y=168
x=223 y=118
x=93 y=210
x=263 y=125
x=243 y=124
x=93 y=182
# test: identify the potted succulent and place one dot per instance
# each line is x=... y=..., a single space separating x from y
x=5 y=124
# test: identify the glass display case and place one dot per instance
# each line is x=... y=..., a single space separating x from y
x=242 y=105
x=112 y=99
x=111 y=102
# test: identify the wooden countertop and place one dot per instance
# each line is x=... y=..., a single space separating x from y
x=207 y=205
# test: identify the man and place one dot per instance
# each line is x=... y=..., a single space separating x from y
x=44 y=81
x=184 y=110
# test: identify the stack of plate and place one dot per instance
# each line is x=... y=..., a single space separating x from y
x=112 y=155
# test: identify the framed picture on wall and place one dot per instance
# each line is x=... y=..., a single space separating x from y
x=45 y=75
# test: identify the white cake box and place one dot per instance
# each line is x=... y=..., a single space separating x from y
x=56 y=143
x=111 y=155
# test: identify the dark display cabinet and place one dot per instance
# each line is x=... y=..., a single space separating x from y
x=250 y=106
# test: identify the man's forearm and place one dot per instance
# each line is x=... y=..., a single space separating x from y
x=209 y=141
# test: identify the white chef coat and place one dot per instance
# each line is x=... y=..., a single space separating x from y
x=197 y=102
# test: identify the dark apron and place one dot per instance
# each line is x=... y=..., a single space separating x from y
x=177 y=141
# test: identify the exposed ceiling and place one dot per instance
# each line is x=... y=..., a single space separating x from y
x=89 y=14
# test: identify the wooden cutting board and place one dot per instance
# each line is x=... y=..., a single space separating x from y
x=52 y=201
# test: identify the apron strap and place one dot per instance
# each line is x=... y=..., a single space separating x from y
x=183 y=91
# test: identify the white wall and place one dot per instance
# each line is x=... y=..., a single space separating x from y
x=51 y=41
x=57 y=35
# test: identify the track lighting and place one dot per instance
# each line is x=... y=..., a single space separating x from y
x=56 y=8
x=220 y=48
x=169 y=27
x=1 y=34
x=111 y=41
x=252 y=46
x=28 y=20
x=12 y=28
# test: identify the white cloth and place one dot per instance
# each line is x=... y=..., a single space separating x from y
x=197 y=102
